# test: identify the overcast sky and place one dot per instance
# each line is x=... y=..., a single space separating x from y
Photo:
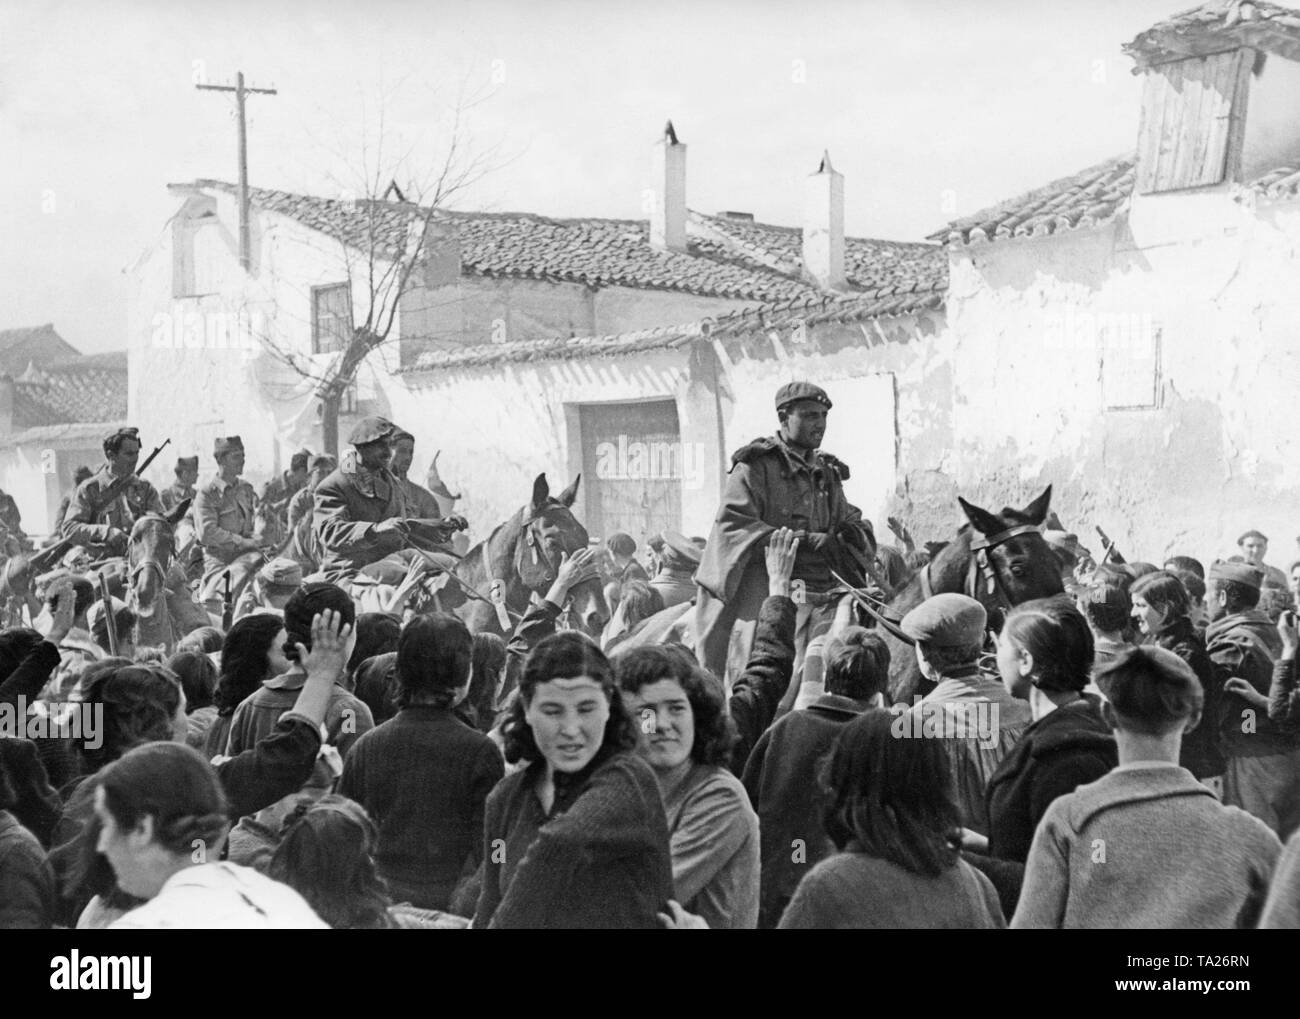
x=931 y=109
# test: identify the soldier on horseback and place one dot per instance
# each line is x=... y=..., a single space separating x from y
x=783 y=481
x=361 y=518
x=224 y=512
x=104 y=530
x=187 y=473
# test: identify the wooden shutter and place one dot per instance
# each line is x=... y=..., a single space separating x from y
x=1193 y=115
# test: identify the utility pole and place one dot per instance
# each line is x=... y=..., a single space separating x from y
x=245 y=258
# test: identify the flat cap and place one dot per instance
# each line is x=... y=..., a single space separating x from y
x=946 y=620
x=187 y=463
x=682 y=548
x=1238 y=573
x=371 y=429
x=793 y=391
x=228 y=444
x=1251 y=534
x=282 y=572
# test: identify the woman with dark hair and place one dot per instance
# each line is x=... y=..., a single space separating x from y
x=1045 y=657
x=686 y=737
x=578 y=838
x=376 y=686
x=425 y=775
x=1162 y=610
x=198 y=678
x=892 y=814
x=489 y=667
x=251 y=653
x=1147 y=845
x=163 y=819
x=377 y=634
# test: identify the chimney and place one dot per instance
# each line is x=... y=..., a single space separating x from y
x=668 y=218
x=823 y=226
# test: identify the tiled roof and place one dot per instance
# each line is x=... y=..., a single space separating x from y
x=1087 y=198
x=806 y=311
x=34 y=344
x=1218 y=26
x=73 y=390
x=745 y=261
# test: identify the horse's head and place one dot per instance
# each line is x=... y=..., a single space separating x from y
x=1021 y=565
x=550 y=532
x=268 y=526
x=150 y=551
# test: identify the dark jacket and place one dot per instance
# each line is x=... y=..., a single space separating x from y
x=1063 y=750
x=424 y=778
x=1200 y=753
x=349 y=503
x=756 y=695
x=1246 y=644
x=37 y=806
x=781 y=778
x=600 y=859
x=1283 y=696
x=26 y=881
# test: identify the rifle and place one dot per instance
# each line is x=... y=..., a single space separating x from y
x=227 y=603
x=1111 y=551
x=110 y=619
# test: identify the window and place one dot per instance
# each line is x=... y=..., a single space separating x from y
x=1130 y=362
x=331 y=318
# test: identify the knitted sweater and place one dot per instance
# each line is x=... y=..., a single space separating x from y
x=1146 y=846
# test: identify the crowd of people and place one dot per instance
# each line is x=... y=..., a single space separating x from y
x=1123 y=754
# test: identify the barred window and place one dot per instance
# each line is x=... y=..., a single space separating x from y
x=331 y=318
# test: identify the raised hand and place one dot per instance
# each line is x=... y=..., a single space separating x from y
x=781 y=549
x=329 y=651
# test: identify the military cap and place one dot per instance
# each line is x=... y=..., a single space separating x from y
x=227 y=444
x=187 y=463
x=681 y=547
x=322 y=460
x=1251 y=534
x=298 y=462
x=1238 y=573
x=371 y=429
x=946 y=620
x=793 y=391
x=281 y=572
x=112 y=439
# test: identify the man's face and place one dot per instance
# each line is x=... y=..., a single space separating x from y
x=805 y=424
x=232 y=461
x=188 y=476
x=127 y=456
x=1254 y=549
x=403 y=454
x=1294 y=583
x=1218 y=604
x=374 y=455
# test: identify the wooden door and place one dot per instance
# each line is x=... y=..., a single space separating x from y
x=631 y=468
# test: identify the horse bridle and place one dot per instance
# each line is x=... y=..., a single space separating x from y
x=982 y=568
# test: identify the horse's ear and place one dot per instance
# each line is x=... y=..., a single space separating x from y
x=541 y=492
x=1036 y=511
x=175 y=516
x=982 y=520
x=571 y=493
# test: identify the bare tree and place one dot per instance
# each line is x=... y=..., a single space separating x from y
x=386 y=236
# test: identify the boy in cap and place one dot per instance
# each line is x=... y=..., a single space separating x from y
x=223 y=513
x=1262 y=759
x=979 y=721
x=105 y=533
x=781 y=481
x=187 y=474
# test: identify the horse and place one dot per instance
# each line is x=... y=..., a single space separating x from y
x=151 y=552
x=523 y=555
x=1000 y=559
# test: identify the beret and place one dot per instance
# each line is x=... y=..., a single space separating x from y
x=370 y=429
x=946 y=620
x=1238 y=573
x=229 y=444
x=282 y=572
x=187 y=463
x=681 y=547
x=793 y=391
